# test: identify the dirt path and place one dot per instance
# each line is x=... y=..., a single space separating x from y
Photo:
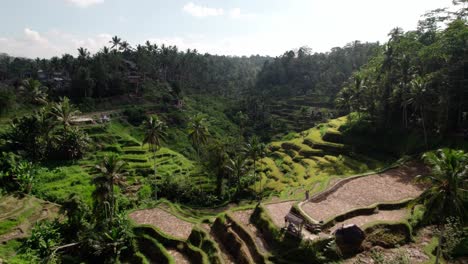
x=278 y=211
x=390 y=186
x=243 y=217
x=390 y=215
x=164 y=221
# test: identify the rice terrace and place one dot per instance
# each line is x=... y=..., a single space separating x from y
x=230 y=141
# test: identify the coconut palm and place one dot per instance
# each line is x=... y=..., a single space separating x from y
x=125 y=46
x=35 y=91
x=105 y=50
x=241 y=120
x=448 y=187
x=115 y=42
x=110 y=173
x=255 y=150
x=83 y=53
x=154 y=135
x=64 y=112
x=198 y=132
x=417 y=98
x=238 y=169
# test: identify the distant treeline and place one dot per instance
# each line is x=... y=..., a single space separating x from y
x=120 y=69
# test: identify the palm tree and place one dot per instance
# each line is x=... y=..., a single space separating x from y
x=237 y=168
x=418 y=100
x=198 y=132
x=241 y=120
x=35 y=91
x=154 y=135
x=105 y=50
x=115 y=42
x=255 y=150
x=83 y=53
x=449 y=182
x=218 y=159
x=64 y=112
x=125 y=46
x=110 y=174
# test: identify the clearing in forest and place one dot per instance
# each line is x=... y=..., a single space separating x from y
x=390 y=186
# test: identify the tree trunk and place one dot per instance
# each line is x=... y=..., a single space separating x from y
x=155 y=183
x=424 y=127
x=112 y=203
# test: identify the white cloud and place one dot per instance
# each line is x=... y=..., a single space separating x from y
x=34 y=36
x=236 y=13
x=202 y=11
x=34 y=44
x=85 y=3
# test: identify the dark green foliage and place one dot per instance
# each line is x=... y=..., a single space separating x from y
x=7 y=99
x=135 y=115
x=47 y=133
x=415 y=83
x=107 y=246
x=446 y=196
x=69 y=145
x=45 y=236
x=301 y=72
x=16 y=174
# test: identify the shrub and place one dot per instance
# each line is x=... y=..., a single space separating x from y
x=144 y=192
x=135 y=115
x=45 y=236
x=7 y=99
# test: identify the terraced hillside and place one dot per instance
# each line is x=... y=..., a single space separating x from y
x=18 y=214
x=116 y=137
x=299 y=112
x=310 y=159
x=224 y=238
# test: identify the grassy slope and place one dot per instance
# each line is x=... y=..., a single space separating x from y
x=58 y=181
x=307 y=161
x=20 y=213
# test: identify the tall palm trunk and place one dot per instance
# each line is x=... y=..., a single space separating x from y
x=112 y=201
x=155 y=173
x=424 y=126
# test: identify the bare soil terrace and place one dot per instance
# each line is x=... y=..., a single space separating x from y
x=390 y=186
x=164 y=221
x=390 y=215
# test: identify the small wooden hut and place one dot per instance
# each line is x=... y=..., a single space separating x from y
x=293 y=224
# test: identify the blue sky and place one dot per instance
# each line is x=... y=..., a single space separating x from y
x=45 y=28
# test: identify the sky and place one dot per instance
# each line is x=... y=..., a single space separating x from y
x=46 y=28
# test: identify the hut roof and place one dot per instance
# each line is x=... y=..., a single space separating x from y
x=294 y=219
